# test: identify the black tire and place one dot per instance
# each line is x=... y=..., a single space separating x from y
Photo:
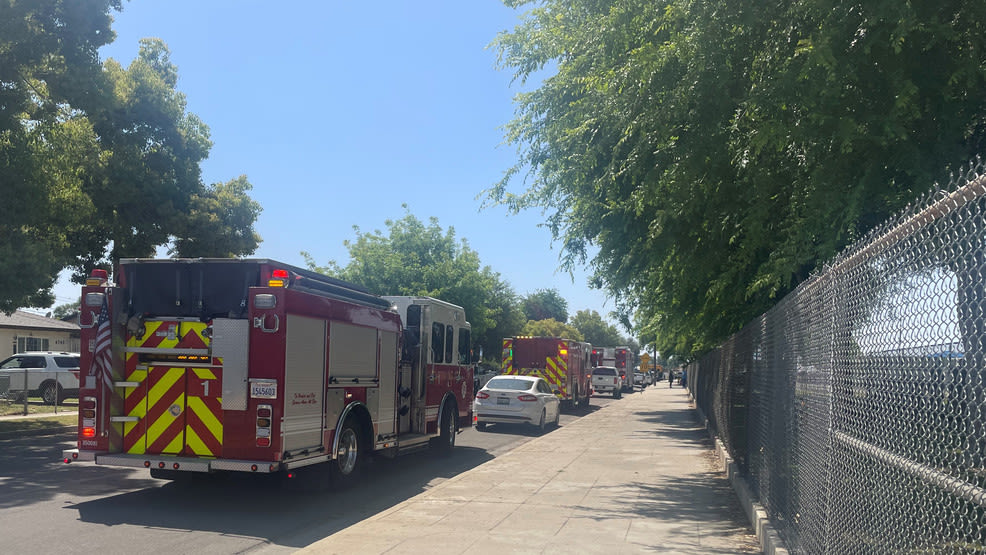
x=347 y=466
x=542 y=424
x=480 y=426
x=617 y=394
x=557 y=422
x=51 y=393
x=449 y=424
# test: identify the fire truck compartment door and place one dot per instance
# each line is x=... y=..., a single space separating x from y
x=184 y=411
x=304 y=382
x=231 y=342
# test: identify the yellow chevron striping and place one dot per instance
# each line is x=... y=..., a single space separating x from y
x=214 y=426
x=195 y=444
x=139 y=409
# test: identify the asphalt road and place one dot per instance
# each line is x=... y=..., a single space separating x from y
x=47 y=506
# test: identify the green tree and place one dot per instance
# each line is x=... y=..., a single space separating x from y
x=596 y=330
x=103 y=161
x=67 y=310
x=550 y=327
x=48 y=54
x=544 y=304
x=418 y=259
x=219 y=222
x=717 y=152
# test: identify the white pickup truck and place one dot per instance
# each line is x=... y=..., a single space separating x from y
x=606 y=379
x=53 y=376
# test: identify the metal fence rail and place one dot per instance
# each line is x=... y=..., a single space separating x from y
x=856 y=407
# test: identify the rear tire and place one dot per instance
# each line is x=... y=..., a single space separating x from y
x=481 y=426
x=51 y=393
x=558 y=418
x=348 y=463
x=542 y=423
x=445 y=441
x=617 y=393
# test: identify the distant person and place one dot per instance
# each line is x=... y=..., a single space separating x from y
x=684 y=378
x=670 y=379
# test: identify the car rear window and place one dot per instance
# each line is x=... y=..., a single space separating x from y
x=67 y=362
x=509 y=383
x=604 y=371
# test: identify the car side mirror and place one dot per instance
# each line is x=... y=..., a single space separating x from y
x=556 y=391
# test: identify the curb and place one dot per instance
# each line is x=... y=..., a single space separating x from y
x=770 y=540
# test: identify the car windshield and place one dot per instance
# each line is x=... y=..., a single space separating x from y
x=512 y=384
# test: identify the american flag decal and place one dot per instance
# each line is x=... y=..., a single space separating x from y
x=102 y=363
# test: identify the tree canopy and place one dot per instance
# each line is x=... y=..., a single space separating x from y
x=595 y=330
x=717 y=152
x=545 y=304
x=413 y=258
x=103 y=161
x=550 y=327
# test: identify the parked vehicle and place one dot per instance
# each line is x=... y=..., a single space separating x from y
x=606 y=379
x=52 y=376
x=626 y=380
x=517 y=399
x=563 y=363
x=624 y=363
x=251 y=365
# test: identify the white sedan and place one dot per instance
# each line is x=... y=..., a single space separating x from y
x=516 y=399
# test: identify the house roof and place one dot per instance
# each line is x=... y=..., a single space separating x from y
x=26 y=320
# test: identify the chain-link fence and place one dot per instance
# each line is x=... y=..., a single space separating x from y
x=856 y=407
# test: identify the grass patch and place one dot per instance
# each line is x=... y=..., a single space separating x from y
x=35 y=425
x=35 y=406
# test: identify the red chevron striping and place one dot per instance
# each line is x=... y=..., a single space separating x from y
x=167 y=399
x=175 y=429
x=213 y=443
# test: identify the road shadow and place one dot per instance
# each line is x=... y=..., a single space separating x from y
x=257 y=506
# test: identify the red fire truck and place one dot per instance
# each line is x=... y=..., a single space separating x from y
x=251 y=365
x=624 y=365
x=563 y=363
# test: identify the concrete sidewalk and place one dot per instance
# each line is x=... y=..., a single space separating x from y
x=638 y=476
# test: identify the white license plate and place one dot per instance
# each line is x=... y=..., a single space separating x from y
x=503 y=400
x=263 y=390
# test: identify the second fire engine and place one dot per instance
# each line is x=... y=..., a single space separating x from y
x=563 y=363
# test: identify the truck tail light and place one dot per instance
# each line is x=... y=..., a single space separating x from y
x=264 y=413
x=278 y=278
x=88 y=409
x=526 y=397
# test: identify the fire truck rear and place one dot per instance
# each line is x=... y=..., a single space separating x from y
x=563 y=363
x=624 y=365
x=212 y=365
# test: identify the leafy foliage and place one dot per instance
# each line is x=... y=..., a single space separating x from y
x=595 y=330
x=103 y=161
x=418 y=259
x=550 y=327
x=545 y=304
x=717 y=152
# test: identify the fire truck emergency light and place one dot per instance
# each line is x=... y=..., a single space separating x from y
x=97 y=277
x=278 y=278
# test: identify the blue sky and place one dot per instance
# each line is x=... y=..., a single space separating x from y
x=341 y=112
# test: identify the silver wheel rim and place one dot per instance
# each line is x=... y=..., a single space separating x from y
x=450 y=428
x=49 y=394
x=348 y=451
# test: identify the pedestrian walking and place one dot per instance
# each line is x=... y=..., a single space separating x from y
x=670 y=379
x=684 y=378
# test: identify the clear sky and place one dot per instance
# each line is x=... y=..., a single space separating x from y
x=341 y=112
